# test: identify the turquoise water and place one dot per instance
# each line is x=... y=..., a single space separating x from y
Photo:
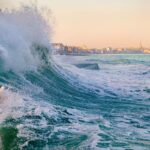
x=52 y=102
x=61 y=106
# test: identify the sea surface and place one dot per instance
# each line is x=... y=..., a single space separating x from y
x=62 y=106
x=52 y=102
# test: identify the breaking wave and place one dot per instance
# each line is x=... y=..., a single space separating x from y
x=49 y=103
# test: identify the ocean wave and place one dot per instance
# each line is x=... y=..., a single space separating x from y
x=50 y=103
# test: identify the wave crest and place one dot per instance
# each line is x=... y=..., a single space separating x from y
x=20 y=31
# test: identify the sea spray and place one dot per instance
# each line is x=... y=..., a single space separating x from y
x=44 y=109
x=19 y=31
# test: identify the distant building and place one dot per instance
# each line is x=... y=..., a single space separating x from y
x=62 y=49
x=57 y=45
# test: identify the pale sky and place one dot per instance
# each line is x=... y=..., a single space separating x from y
x=101 y=23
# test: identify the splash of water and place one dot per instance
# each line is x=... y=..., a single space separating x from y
x=19 y=34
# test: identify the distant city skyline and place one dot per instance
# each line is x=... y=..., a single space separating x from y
x=139 y=46
x=99 y=23
x=60 y=48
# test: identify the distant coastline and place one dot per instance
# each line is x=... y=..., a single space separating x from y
x=75 y=50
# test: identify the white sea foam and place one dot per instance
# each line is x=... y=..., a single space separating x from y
x=120 y=79
x=19 y=30
x=16 y=106
x=10 y=101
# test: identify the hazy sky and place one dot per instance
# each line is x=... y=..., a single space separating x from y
x=101 y=23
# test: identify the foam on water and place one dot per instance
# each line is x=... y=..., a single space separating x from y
x=33 y=115
x=61 y=106
x=119 y=79
x=122 y=86
x=9 y=101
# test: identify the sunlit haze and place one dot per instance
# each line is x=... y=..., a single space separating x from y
x=101 y=23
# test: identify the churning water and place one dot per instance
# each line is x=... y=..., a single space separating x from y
x=50 y=102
